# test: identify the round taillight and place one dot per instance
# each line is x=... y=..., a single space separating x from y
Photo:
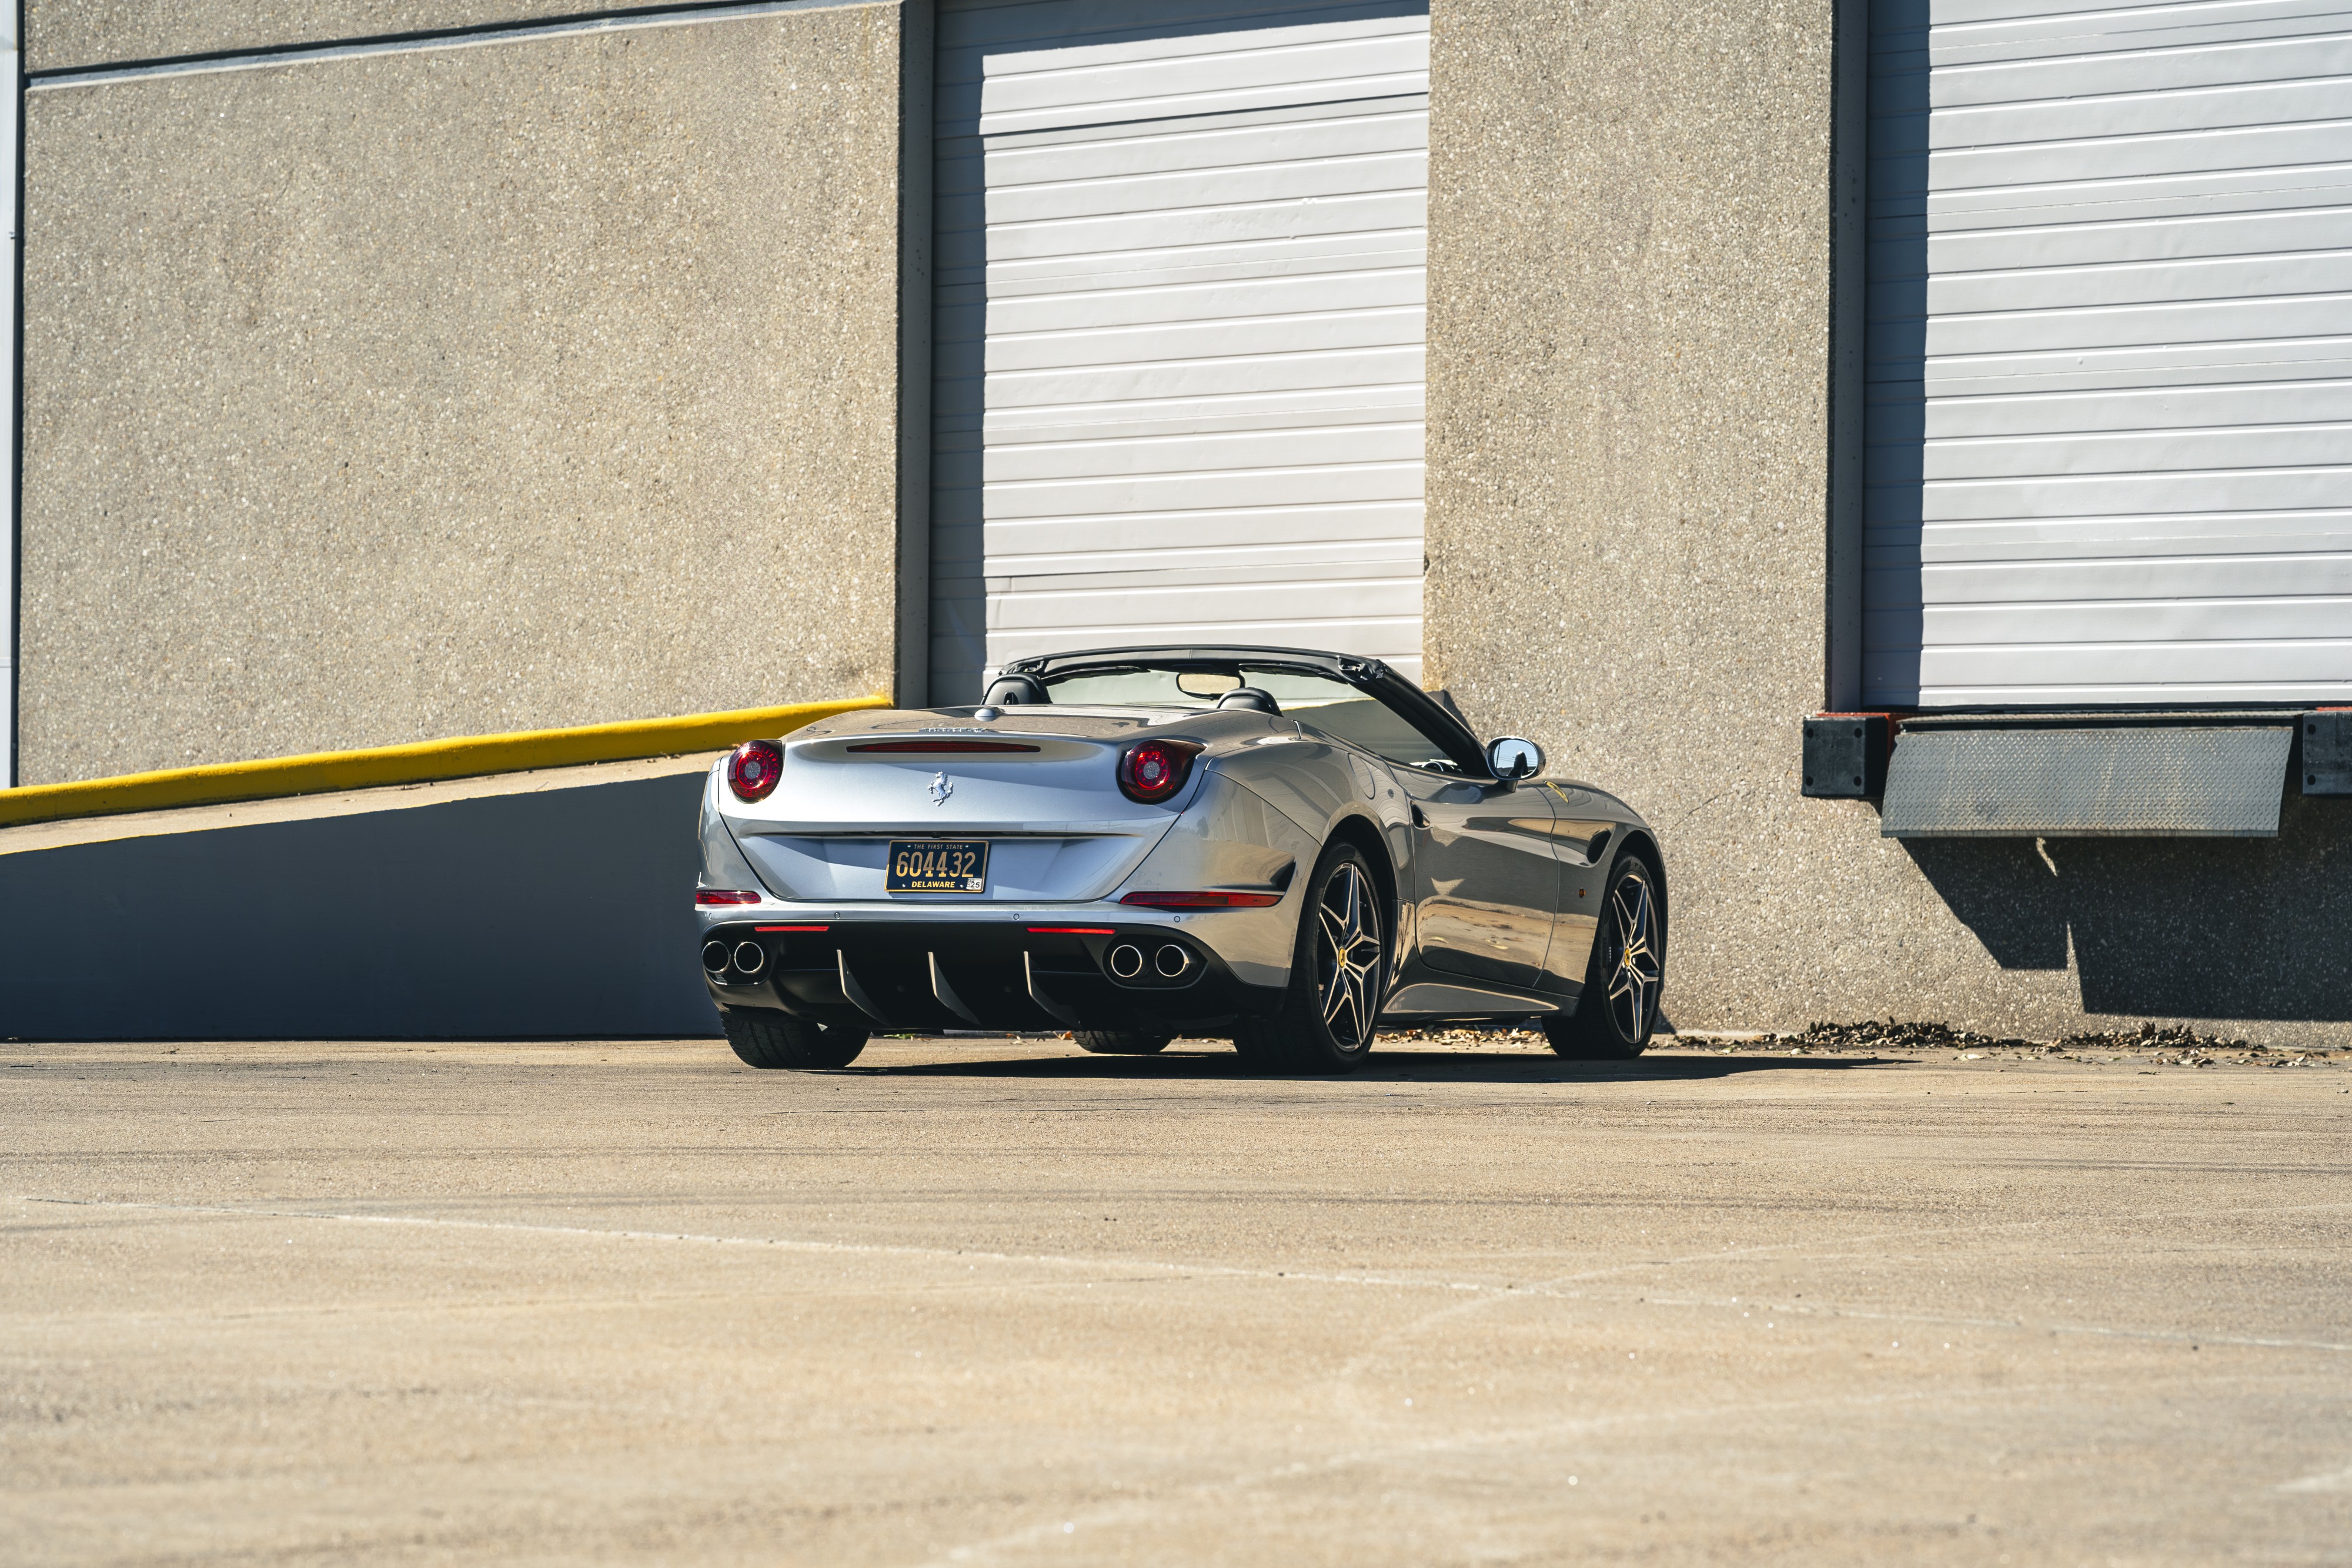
x=752 y=771
x=1150 y=771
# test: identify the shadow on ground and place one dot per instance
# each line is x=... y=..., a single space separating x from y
x=1383 y=1067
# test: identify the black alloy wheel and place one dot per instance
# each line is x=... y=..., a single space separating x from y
x=1338 y=974
x=1626 y=975
x=1120 y=1041
x=770 y=1040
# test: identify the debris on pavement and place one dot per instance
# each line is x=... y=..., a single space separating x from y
x=2149 y=1043
x=2174 y=1046
x=1892 y=1035
x=2148 y=1037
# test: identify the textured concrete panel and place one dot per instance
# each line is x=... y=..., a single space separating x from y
x=397 y=924
x=1628 y=473
x=68 y=34
x=446 y=392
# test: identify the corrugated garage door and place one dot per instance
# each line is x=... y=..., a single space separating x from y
x=2110 y=351
x=1178 y=327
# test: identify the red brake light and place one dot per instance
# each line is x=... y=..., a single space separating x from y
x=708 y=896
x=1204 y=900
x=752 y=771
x=1150 y=772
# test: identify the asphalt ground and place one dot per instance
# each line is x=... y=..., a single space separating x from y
x=990 y=1301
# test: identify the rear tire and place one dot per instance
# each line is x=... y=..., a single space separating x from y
x=1338 y=974
x=768 y=1039
x=1120 y=1041
x=1625 y=976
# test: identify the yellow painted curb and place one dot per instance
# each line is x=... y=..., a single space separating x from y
x=419 y=762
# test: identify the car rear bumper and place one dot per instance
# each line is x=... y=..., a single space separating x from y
x=927 y=975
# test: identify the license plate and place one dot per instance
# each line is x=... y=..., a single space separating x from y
x=936 y=865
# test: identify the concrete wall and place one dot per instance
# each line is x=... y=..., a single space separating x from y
x=72 y=34
x=456 y=390
x=1630 y=235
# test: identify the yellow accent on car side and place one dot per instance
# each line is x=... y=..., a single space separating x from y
x=422 y=761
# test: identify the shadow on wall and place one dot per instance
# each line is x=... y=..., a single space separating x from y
x=2200 y=928
x=564 y=913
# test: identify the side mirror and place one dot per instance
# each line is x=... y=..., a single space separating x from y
x=1512 y=757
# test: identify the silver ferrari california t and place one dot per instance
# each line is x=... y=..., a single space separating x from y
x=1283 y=847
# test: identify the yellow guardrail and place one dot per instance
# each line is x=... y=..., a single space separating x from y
x=462 y=757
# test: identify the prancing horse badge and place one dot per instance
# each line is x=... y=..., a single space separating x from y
x=941 y=789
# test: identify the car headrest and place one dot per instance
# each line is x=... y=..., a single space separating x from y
x=1249 y=697
x=1014 y=691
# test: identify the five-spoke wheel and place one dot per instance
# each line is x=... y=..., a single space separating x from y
x=1339 y=974
x=1626 y=975
x=1349 y=955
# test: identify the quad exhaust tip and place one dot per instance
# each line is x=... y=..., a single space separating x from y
x=1172 y=960
x=750 y=957
x=714 y=956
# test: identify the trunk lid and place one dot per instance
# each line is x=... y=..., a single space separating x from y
x=1044 y=794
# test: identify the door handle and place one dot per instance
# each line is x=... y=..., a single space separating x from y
x=1420 y=819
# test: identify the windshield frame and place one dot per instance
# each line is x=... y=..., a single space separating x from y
x=1371 y=677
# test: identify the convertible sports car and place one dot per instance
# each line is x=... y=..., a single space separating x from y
x=1280 y=846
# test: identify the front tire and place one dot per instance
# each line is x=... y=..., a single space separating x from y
x=1626 y=975
x=769 y=1039
x=1120 y=1041
x=1338 y=974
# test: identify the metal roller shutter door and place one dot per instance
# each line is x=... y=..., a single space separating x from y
x=1177 y=334
x=2110 y=353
